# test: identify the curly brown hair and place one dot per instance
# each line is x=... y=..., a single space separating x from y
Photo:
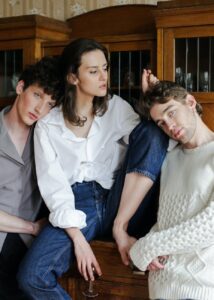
x=162 y=92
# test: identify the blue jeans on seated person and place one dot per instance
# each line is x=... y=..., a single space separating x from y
x=146 y=152
x=52 y=252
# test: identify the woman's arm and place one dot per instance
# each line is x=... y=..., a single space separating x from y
x=53 y=183
x=86 y=260
x=59 y=198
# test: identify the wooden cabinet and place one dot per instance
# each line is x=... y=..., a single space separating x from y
x=128 y=32
x=185 y=39
x=20 y=45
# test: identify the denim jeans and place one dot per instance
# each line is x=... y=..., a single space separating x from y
x=12 y=252
x=147 y=149
x=52 y=253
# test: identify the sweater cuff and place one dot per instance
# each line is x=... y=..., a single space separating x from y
x=138 y=256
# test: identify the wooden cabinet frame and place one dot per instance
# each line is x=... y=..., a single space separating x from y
x=186 y=19
x=27 y=34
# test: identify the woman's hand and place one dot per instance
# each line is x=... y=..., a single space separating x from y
x=86 y=260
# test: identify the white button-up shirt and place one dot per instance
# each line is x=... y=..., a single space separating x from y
x=63 y=158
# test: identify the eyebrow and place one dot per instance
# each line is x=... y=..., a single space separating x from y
x=96 y=67
x=165 y=110
x=42 y=92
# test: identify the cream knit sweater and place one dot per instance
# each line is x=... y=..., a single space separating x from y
x=185 y=228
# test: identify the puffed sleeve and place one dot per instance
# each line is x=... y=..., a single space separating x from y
x=53 y=184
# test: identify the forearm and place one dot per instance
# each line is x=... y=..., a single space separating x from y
x=74 y=233
x=10 y=223
x=195 y=233
x=135 y=188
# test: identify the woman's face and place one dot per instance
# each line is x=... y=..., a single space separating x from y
x=92 y=76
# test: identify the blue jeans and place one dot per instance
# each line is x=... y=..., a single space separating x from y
x=52 y=252
x=12 y=252
x=146 y=152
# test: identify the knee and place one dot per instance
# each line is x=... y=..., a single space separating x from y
x=25 y=278
x=29 y=279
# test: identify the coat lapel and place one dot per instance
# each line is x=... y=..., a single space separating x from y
x=6 y=145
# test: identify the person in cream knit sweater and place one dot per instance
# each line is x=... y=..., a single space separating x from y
x=179 y=249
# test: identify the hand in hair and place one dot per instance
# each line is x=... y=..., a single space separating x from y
x=148 y=80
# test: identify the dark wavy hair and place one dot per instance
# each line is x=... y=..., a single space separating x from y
x=70 y=62
x=45 y=74
x=162 y=92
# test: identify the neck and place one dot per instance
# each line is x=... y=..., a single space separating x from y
x=85 y=107
x=202 y=135
x=17 y=130
x=13 y=123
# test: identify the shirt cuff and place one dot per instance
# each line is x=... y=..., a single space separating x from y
x=68 y=218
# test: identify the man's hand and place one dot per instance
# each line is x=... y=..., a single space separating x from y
x=157 y=263
x=148 y=80
x=86 y=260
x=38 y=225
x=124 y=243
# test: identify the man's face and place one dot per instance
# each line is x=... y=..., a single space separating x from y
x=178 y=120
x=32 y=103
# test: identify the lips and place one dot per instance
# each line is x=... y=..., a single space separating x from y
x=177 y=133
x=103 y=86
x=33 y=117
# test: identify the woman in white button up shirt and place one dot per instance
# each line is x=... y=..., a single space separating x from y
x=78 y=147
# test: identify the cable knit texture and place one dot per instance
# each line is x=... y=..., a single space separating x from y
x=185 y=228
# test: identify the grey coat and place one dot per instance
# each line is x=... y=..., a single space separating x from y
x=19 y=193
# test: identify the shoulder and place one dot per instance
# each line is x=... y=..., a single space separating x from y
x=148 y=129
x=53 y=117
x=116 y=102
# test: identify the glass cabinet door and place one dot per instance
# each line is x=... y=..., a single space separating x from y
x=11 y=62
x=194 y=63
x=125 y=73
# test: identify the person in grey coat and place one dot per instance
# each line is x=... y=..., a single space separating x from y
x=20 y=200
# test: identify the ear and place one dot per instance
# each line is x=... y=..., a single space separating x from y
x=20 y=87
x=191 y=102
x=72 y=79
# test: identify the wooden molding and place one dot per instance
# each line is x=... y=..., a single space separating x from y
x=33 y=26
x=116 y=20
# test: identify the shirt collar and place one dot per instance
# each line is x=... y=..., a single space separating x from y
x=172 y=145
x=56 y=118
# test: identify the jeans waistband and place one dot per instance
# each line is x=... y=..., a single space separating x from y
x=86 y=183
